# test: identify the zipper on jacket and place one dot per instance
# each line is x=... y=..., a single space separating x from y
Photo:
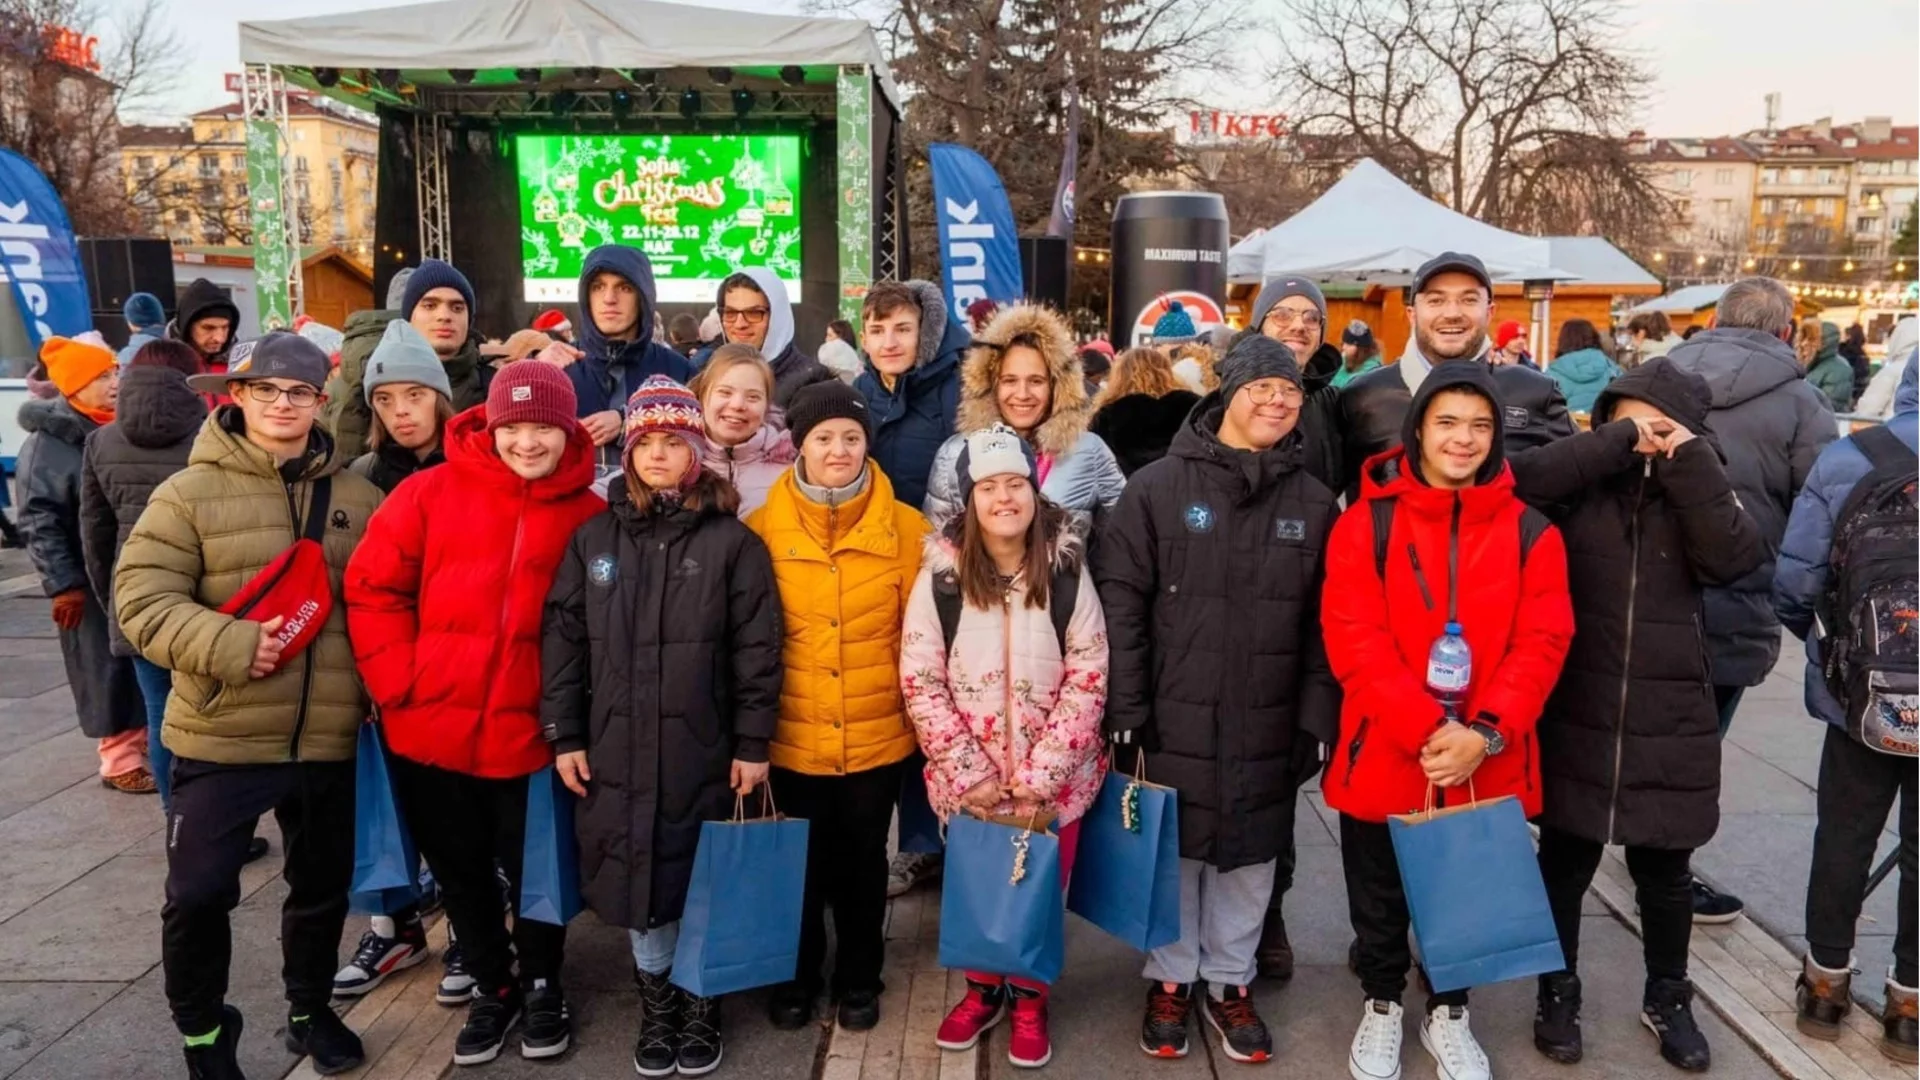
x=306 y=668
x=1353 y=751
x=1626 y=658
x=1419 y=578
x=1006 y=686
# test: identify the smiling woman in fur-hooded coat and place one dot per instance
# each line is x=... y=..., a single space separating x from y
x=1024 y=371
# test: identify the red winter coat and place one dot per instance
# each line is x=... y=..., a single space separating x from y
x=444 y=600
x=1517 y=618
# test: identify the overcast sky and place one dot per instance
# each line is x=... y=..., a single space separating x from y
x=1714 y=60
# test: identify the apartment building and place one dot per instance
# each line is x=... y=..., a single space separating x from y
x=1710 y=184
x=188 y=182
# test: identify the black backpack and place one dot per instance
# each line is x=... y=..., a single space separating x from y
x=1533 y=524
x=1063 y=594
x=1867 y=613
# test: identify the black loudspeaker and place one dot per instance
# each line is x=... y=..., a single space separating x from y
x=118 y=267
x=1043 y=266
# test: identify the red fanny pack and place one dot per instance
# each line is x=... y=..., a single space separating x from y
x=295 y=586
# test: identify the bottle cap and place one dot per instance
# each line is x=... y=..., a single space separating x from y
x=1453 y=628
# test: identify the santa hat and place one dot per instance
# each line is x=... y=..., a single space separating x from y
x=553 y=321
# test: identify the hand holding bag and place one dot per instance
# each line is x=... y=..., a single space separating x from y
x=1001 y=909
x=296 y=586
x=386 y=867
x=1474 y=889
x=741 y=924
x=1126 y=877
x=550 y=868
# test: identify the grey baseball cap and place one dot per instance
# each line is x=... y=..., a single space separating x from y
x=278 y=355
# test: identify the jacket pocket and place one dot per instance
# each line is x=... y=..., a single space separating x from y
x=1353 y=750
x=1526 y=759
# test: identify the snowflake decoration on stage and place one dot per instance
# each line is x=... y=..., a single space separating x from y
x=543 y=258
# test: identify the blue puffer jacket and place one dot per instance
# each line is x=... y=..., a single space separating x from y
x=610 y=372
x=1581 y=375
x=911 y=420
x=1800 y=577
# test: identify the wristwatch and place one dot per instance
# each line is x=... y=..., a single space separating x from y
x=1496 y=742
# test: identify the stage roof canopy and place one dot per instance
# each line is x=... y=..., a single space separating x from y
x=561 y=34
x=1371 y=227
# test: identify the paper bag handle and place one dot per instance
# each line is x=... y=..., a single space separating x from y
x=1473 y=799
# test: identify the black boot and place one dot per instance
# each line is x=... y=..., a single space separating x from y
x=657 y=1052
x=1668 y=1013
x=1556 y=1018
x=700 y=1045
x=220 y=1059
x=1899 y=1022
x=1274 y=957
x=790 y=1006
x=320 y=1035
x=1823 y=995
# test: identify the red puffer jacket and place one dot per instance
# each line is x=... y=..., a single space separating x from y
x=444 y=600
x=1515 y=612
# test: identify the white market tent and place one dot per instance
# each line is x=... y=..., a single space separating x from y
x=483 y=34
x=1594 y=260
x=1371 y=227
x=1244 y=259
x=1683 y=301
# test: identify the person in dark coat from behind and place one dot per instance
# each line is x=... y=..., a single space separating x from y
x=154 y=424
x=1141 y=409
x=1629 y=741
x=661 y=659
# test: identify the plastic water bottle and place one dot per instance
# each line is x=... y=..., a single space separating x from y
x=1449 y=670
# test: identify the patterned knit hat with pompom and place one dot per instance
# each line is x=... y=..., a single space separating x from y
x=664 y=405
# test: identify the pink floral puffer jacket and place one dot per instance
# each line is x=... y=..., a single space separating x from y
x=960 y=701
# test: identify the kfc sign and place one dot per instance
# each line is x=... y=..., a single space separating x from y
x=1238 y=125
x=72 y=48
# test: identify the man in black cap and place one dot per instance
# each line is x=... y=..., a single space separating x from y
x=266 y=708
x=1209 y=569
x=1450 y=306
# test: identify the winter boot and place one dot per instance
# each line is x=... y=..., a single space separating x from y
x=1667 y=1011
x=1899 y=1020
x=1274 y=957
x=657 y=1051
x=1556 y=1018
x=1824 y=995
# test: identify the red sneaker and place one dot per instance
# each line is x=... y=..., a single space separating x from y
x=1029 y=1047
x=976 y=1014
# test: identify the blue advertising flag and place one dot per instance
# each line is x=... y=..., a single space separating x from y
x=41 y=260
x=979 y=250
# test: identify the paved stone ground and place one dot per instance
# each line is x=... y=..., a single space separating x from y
x=81 y=869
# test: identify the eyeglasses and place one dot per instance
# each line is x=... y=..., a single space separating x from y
x=300 y=397
x=1280 y=316
x=750 y=315
x=1288 y=394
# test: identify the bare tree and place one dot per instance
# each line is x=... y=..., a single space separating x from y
x=1508 y=110
x=60 y=102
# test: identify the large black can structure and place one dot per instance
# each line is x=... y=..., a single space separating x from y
x=1167 y=246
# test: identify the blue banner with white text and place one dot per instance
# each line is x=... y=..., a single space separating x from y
x=39 y=255
x=979 y=250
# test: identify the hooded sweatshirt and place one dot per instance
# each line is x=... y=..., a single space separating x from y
x=1878 y=398
x=203 y=299
x=1581 y=375
x=1830 y=373
x=611 y=371
x=792 y=369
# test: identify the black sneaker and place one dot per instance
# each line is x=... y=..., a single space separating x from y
x=790 y=1006
x=457 y=984
x=1243 y=1035
x=1556 y=1018
x=378 y=957
x=220 y=1059
x=1668 y=1013
x=1274 y=957
x=700 y=1045
x=549 y=1027
x=1712 y=907
x=859 y=1010
x=657 y=1051
x=1163 y=1034
x=489 y=1018
x=322 y=1036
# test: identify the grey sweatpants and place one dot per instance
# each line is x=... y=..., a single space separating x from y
x=1220 y=919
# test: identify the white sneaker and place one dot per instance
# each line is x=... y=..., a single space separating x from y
x=1376 y=1046
x=1456 y=1054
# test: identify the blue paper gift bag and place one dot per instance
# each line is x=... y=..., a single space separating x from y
x=1474 y=889
x=741 y=925
x=1126 y=876
x=385 y=866
x=1000 y=905
x=550 y=867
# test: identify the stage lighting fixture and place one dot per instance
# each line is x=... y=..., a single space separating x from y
x=389 y=78
x=793 y=74
x=743 y=100
x=328 y=78
x=721 y=75
x=689 y=103
x=562 y=102
x=531 y=75
x=620 y=103
x=462 y=76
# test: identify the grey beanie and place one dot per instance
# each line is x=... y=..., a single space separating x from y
x=403 y=356
x=1278 y=289
x=397 y=288
x=1255 y=357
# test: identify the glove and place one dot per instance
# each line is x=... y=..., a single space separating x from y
x=69 y=608
x=1309 y=758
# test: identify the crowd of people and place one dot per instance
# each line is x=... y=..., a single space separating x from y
x=679 y=564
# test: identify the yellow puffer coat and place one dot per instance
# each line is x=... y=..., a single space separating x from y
x=844 y=574
x=206 y=532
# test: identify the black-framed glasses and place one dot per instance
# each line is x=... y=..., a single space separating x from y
x=300 y=397
x=750 y=315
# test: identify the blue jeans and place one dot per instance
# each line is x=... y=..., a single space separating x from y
x=653 y=949
x=156 y=683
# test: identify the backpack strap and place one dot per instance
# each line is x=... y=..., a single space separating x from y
x=1533 y=525
x=1063 y=595
x=1882 y=447
x=1382 y=533
x=316 y=524
x=947 y=602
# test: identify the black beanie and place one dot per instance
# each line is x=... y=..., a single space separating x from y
x=1252 y=358
x=829 y=400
